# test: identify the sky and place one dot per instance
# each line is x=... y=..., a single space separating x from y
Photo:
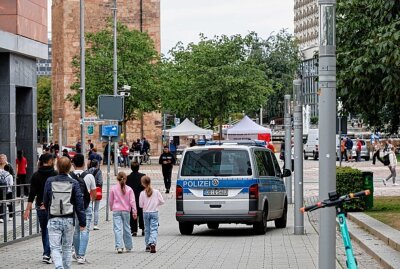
x=183 y=20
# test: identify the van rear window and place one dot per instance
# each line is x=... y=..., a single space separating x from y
x=225 y=162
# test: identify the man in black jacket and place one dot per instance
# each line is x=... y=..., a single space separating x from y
x=134 y=181
x=167 y=160
x=61 y=226
x=38 y=181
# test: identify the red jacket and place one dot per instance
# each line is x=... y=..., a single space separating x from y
x=125 y=151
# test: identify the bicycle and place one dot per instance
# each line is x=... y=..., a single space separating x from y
x=337 y=202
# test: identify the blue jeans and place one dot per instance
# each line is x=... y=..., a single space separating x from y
x=150 y=227
x=96 y=212
x=81 y=238
x=43 y=220
x=61 y=231
x=122 y=229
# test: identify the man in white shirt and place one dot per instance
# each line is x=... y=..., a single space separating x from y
x=81 y=238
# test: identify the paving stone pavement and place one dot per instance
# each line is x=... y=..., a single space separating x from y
x=231 y=246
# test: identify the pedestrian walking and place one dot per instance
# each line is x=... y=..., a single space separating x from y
x=122 y=204
x=94 y=169
x=62 y=198
x=349 y=149
x=358 y=150
x=392 y=167
x=125 y=154
x=150 y=199
x=87 y=184
x=38 y=180
x=6 y=183
x=343 y=149
x=22 y=164
x=377 y=148
x=134 y=181
x=167 y=161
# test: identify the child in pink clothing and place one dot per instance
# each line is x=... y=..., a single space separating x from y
x=122 y=200
x=150 y=199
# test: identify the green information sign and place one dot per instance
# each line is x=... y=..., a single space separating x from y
x=90 y=129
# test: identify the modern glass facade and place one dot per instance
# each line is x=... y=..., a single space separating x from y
x=309 y=70
x=43 y=67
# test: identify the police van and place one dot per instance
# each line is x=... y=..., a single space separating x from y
x=230 y=183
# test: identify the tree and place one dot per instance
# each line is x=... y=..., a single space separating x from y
x=279 y=56
x=137 y=67
x=368 y=34
x=44 y=112
x=213 y=78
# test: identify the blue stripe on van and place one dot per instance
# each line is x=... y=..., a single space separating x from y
x=265 y=184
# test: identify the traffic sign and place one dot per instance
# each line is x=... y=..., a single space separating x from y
x=109 y=130
x=90 y=129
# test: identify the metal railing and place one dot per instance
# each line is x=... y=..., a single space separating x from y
x=12 y=208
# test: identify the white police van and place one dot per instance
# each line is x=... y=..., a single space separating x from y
x=230 y=184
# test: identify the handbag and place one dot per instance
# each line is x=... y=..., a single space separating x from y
x=99 y=193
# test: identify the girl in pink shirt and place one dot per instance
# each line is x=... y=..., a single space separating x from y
x=122 y=200
x=150 y=199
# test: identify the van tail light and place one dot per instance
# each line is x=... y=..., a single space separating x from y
x=253 y=191
x=179 y=192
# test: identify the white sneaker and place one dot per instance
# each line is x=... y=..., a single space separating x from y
x=81 y=260
x=74 y=257
x=384 y=182
x=10 y=219
x=1 y=220
x=119 y=250
x=395 y=184
x=46 y=259
x=95 y=228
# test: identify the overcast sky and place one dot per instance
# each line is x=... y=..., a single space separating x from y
x=183 y=20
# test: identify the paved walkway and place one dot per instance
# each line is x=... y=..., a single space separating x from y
x=230 y=246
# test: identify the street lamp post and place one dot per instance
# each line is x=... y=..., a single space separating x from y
x=327 y=132
x=288 y=146
x=82 y=77
x=115 y=77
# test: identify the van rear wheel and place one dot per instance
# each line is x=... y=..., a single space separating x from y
x=213 y=225
x=261 y=226
x=186 y=228
x=281 y=222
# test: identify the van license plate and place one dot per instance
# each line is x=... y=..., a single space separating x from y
x=215 y=192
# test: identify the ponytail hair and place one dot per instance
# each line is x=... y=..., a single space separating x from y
x=122 y=181
x=146 y=182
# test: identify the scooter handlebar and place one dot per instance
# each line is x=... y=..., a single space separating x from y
x=340 y=200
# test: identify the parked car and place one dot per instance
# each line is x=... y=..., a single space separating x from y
x=311 y=147
x=71 y=150
x=230 y=183
x=364 y=149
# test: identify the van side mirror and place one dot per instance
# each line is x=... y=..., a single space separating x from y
x=286 y=173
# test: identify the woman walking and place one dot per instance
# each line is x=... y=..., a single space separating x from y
x=392 y=167
x=122 y=201
x=150 y=199
x=22 y=164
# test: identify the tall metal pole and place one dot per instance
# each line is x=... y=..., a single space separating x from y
x=108 y=177
x=288 y=147
x=261 y=116
x=298 y=158
x=115 y=78
x=83 y=70
x=60 y=142
x=327 y=134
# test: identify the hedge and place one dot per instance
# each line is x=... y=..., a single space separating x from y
x=350 y=180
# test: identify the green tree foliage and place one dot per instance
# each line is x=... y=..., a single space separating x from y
x=137 y=67
x=279 y=56
x=368 y=39
x=214 y=78
x=44 y=113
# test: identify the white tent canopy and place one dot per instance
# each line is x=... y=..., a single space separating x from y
x=188 y=128
x=247 y=127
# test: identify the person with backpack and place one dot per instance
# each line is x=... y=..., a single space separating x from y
x=94 y=156
x=98 y=176
x=62 y=197
x=87 y=184
x=122 y=204
x=150 y=199
x=134 y=181
x=38 y=180
x=4 y=163
x=392 y=166
x=349 y=149
x=6 y=183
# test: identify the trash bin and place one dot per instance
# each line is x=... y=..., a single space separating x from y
x=368 y=178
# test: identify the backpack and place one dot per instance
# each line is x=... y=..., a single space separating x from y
x=386 y=160
x=94 y=173
x=61 y=198
x=84 y=189
x=3 y=179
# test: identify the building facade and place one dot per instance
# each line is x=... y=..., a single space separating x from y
x=43 y=66
x=23 y=40
x=306 y=31
x=136 y=14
